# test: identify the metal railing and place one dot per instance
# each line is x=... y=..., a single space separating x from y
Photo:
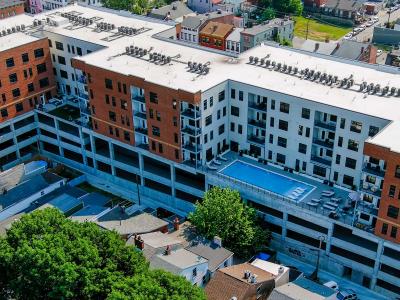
x=329 y=126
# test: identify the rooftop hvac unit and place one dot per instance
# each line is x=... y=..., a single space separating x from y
x=109 y=27
x=392 y=91
x=385 y=90
x=290 y=69
x=284 y=68
x=295 y=70
x=127 y=49
x=377 y=88
x=251 y=59
x=194 y=65
x=256 y=60
x=189 y=63
x=273 y=63
x=18 y=28
x=8 y=31
x=262 y=61
x=278 y=66
x=268 y=62
x=398 y=93
x=22 y=27
x=130 y=31
x=4 y=32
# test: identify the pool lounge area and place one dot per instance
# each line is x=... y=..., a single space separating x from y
x=278 y=184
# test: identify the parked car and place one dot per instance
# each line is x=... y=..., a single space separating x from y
x=369 y=23
x=347 y=294
x=379 y=52
x=332 y=284
x=348 y=36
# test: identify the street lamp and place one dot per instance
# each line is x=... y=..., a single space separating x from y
x=314 y=275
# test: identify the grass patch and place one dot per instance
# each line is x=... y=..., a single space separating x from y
x=318 y=31
x=66 y=112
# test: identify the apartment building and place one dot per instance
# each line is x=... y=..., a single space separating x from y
x=10 y=8
x=170 y=121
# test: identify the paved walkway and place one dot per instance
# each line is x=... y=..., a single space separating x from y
x=362 y=292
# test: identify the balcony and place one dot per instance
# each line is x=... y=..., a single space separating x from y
x=373 y=169
x=258 y=106
x=331 y=126
x=324 y=143
x=141 y=130
x=256 y=140
x=191 y=114
x=191 y=147
x=320 y=160
x=370 y=189
x=140 y=115
x=189 y=130
x=367 y=208
x=258 y=123
x=139 y=98
x=82 y=79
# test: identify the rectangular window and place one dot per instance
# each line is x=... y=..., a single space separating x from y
x=240 y=95
x=108 y=83
x=373 y=130
x=151 y=113
x=393 y=232
x=160 y=148
x=305 y=113
x=112 y=116
x=224 y=111
x=155 y=131
x=221 y=129
x=233 y=93
x=208 y=120
x=307 y=131
x=340 y=141
x=302 y=148
x=4 y=112
x=282 y=142
x=397 y=172
x=61 y=60
x=271 y=122
x=175 y=121
x=176 y=138
x=283 y=125
x=392 y=191
x=158 y=116
x=44 y=82
x=356 y=126
x=350 y=163
x=211 y=101
x=10 y=62
x=284 y=107
x=127 y=136
x=393 y=212
x=41 y=68
x=384 y=228
x=31 y=87
x=59 y=46
x=349 y=180
x=280 y=158
x=38 y=52
x=232 y=127
x=221 y=96
x=352 y=145
x=272 y=104
x=13 y=77
x=16 y=92
x=63 y=74
x=338 y=159
x=205 y=104
x=124 y=104
x=50 y=44
x=25 y=57
x=240 y=129
x=153 y=97
x=19 y=107
x=342 y=123
x=79 y=51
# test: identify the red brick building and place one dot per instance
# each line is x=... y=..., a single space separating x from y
x=214 y=35
x=9 y=8
x=26 y=77
x=315 y=3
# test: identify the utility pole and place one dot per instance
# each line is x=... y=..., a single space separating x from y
x=308 y=21
x=314 y=275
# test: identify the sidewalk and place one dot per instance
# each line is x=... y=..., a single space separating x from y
x=362 y=292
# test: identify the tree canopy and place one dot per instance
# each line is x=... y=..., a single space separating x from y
x=140 y=7
x=268 y=14
x=46 y=256
x=222 y=213
x=288 y=6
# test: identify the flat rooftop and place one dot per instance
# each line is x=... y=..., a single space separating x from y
x=177 y=261
x=387 y=137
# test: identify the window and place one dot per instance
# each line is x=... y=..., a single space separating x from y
x=224 y=111
x=352 y=145
x=373 y=130
x=283 y=125
x=112 y=116
x=153 y=98
x=356 y=126
x=340 y=141
x=79 y=51
x=127 y=136
x=280 y=158
x=61 y=60
x=25 y=57
x=155 y=130
x=284 y=107
x=158 y=116
x=13 y=77
x=176 y=154
x=205 y=138
x=153 y=145
x=221 y=129
x=307 y=131
x=208 y=120
x=342 y=123
x=44 y=82
x=119 y=87
x=211 y=101
x=194 y=272
x=41 y=68
x=338 y=159
x=160 y=148
x=392 y=191
x=235 y=111
x=271 y=138
x=124 y=104
x=393 y=232
x=124 y=88
x=393 y=212
x=19 y=107
x=205 y=104
x=4 y=112
x=175 y=121
x=348 y=180
x=282 y=142
x=232 y=127
x=10 y=62
x=302 y=148
x=350 y=163
x=16 y=93
x=174 y=104
x=233 y=93
x=50 y=44
x=110 y=130
x=305 y=113
x=63 y=74
x=176 y=138
x=38 y=52
x=211 y=135
x=69 y=48
x=397 y=172
x=60 y=46
x=221 y=96
x=218 y=114
x=240 y=95
x=240 y=129
x=384 y=228
x=271 y=122
x=272 y=104
x=319 y=171
x=31 y=87
x=108 y=83
x=151 y=113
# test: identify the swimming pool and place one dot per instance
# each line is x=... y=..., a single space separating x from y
x=268 y=180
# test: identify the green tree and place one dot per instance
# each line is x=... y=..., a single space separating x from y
x=140 y=7
x=222 y=213
x=268 y=14
x=156 y=285
x=46 y=256
x=288 y=6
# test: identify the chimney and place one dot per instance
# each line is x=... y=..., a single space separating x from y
x=362 y=50
x=176 y=224
x=167 y=250
x=253 y=278
x=218 y=241
x=139 y=243
x=316 y=47
x=215 y=28
x=247 y=274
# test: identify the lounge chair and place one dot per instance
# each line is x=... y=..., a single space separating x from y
x=297 y=194
x=314 y=204
x=328 y=207
x=292 y=197
x=299 y=189
x=328 y=193
x=332 y=204
x=222 y=158
x=316 y=200
x=337 y=200
x=218 y=163
x=210 y=167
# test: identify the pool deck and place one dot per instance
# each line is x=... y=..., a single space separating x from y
x=344 y=216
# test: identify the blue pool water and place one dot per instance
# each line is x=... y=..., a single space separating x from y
x=267 y=180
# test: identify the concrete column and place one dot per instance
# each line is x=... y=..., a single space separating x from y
x=141 y=167
x=83 y=149
x=374 y=275
x=93 y=146
x=111 y=150
x=328 y=238
x=58 y=138
x=15 y=141
x=284 y=224
x=172 y=170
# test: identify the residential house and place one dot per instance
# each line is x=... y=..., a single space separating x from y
x=190 y=27
x=203 y=6
x=314 y=3
x=354 y=50
x=214 y=35
x=280 y=272
x=347 y=9
x=268 y=31
x=241 y=282
x=393 y=58
x=302 y=288
x=387 y=36
x=174 y=11
x=9 y=8
x=233 y=41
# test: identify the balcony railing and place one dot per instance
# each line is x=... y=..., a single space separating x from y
x=191 y=130
x=191 y=147
x=257 y=123
x=141 y=130
x=256 y=140
x=258 y=106
x=367 y=208
x=320 y=160
x=82 y=79
x=370 y=189
x=139 y=98
x=329 y=126
x=375 y=170
x=324 y=143
x=140 y=115
x=190 y=113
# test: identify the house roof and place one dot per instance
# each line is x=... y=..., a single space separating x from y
x=314 y=287
x=346 y=5
x=192 y=22
x=139 y=222
x=230 y=282
x=215 y=254
x=235 y=35
x=88 y=213
x=349 y=49
x=177 y=261
x=268 y=25
x=175 y=10
x=64 y=202
x=317 y=47
x=216 y=29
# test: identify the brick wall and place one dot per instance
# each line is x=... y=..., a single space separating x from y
x=11 y=11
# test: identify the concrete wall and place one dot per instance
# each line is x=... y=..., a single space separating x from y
x=386 y=36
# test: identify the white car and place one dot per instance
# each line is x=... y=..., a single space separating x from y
x=379 y=52
x=357 y=29
x=370 y=23
x=363 y=26
x=348 y=36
